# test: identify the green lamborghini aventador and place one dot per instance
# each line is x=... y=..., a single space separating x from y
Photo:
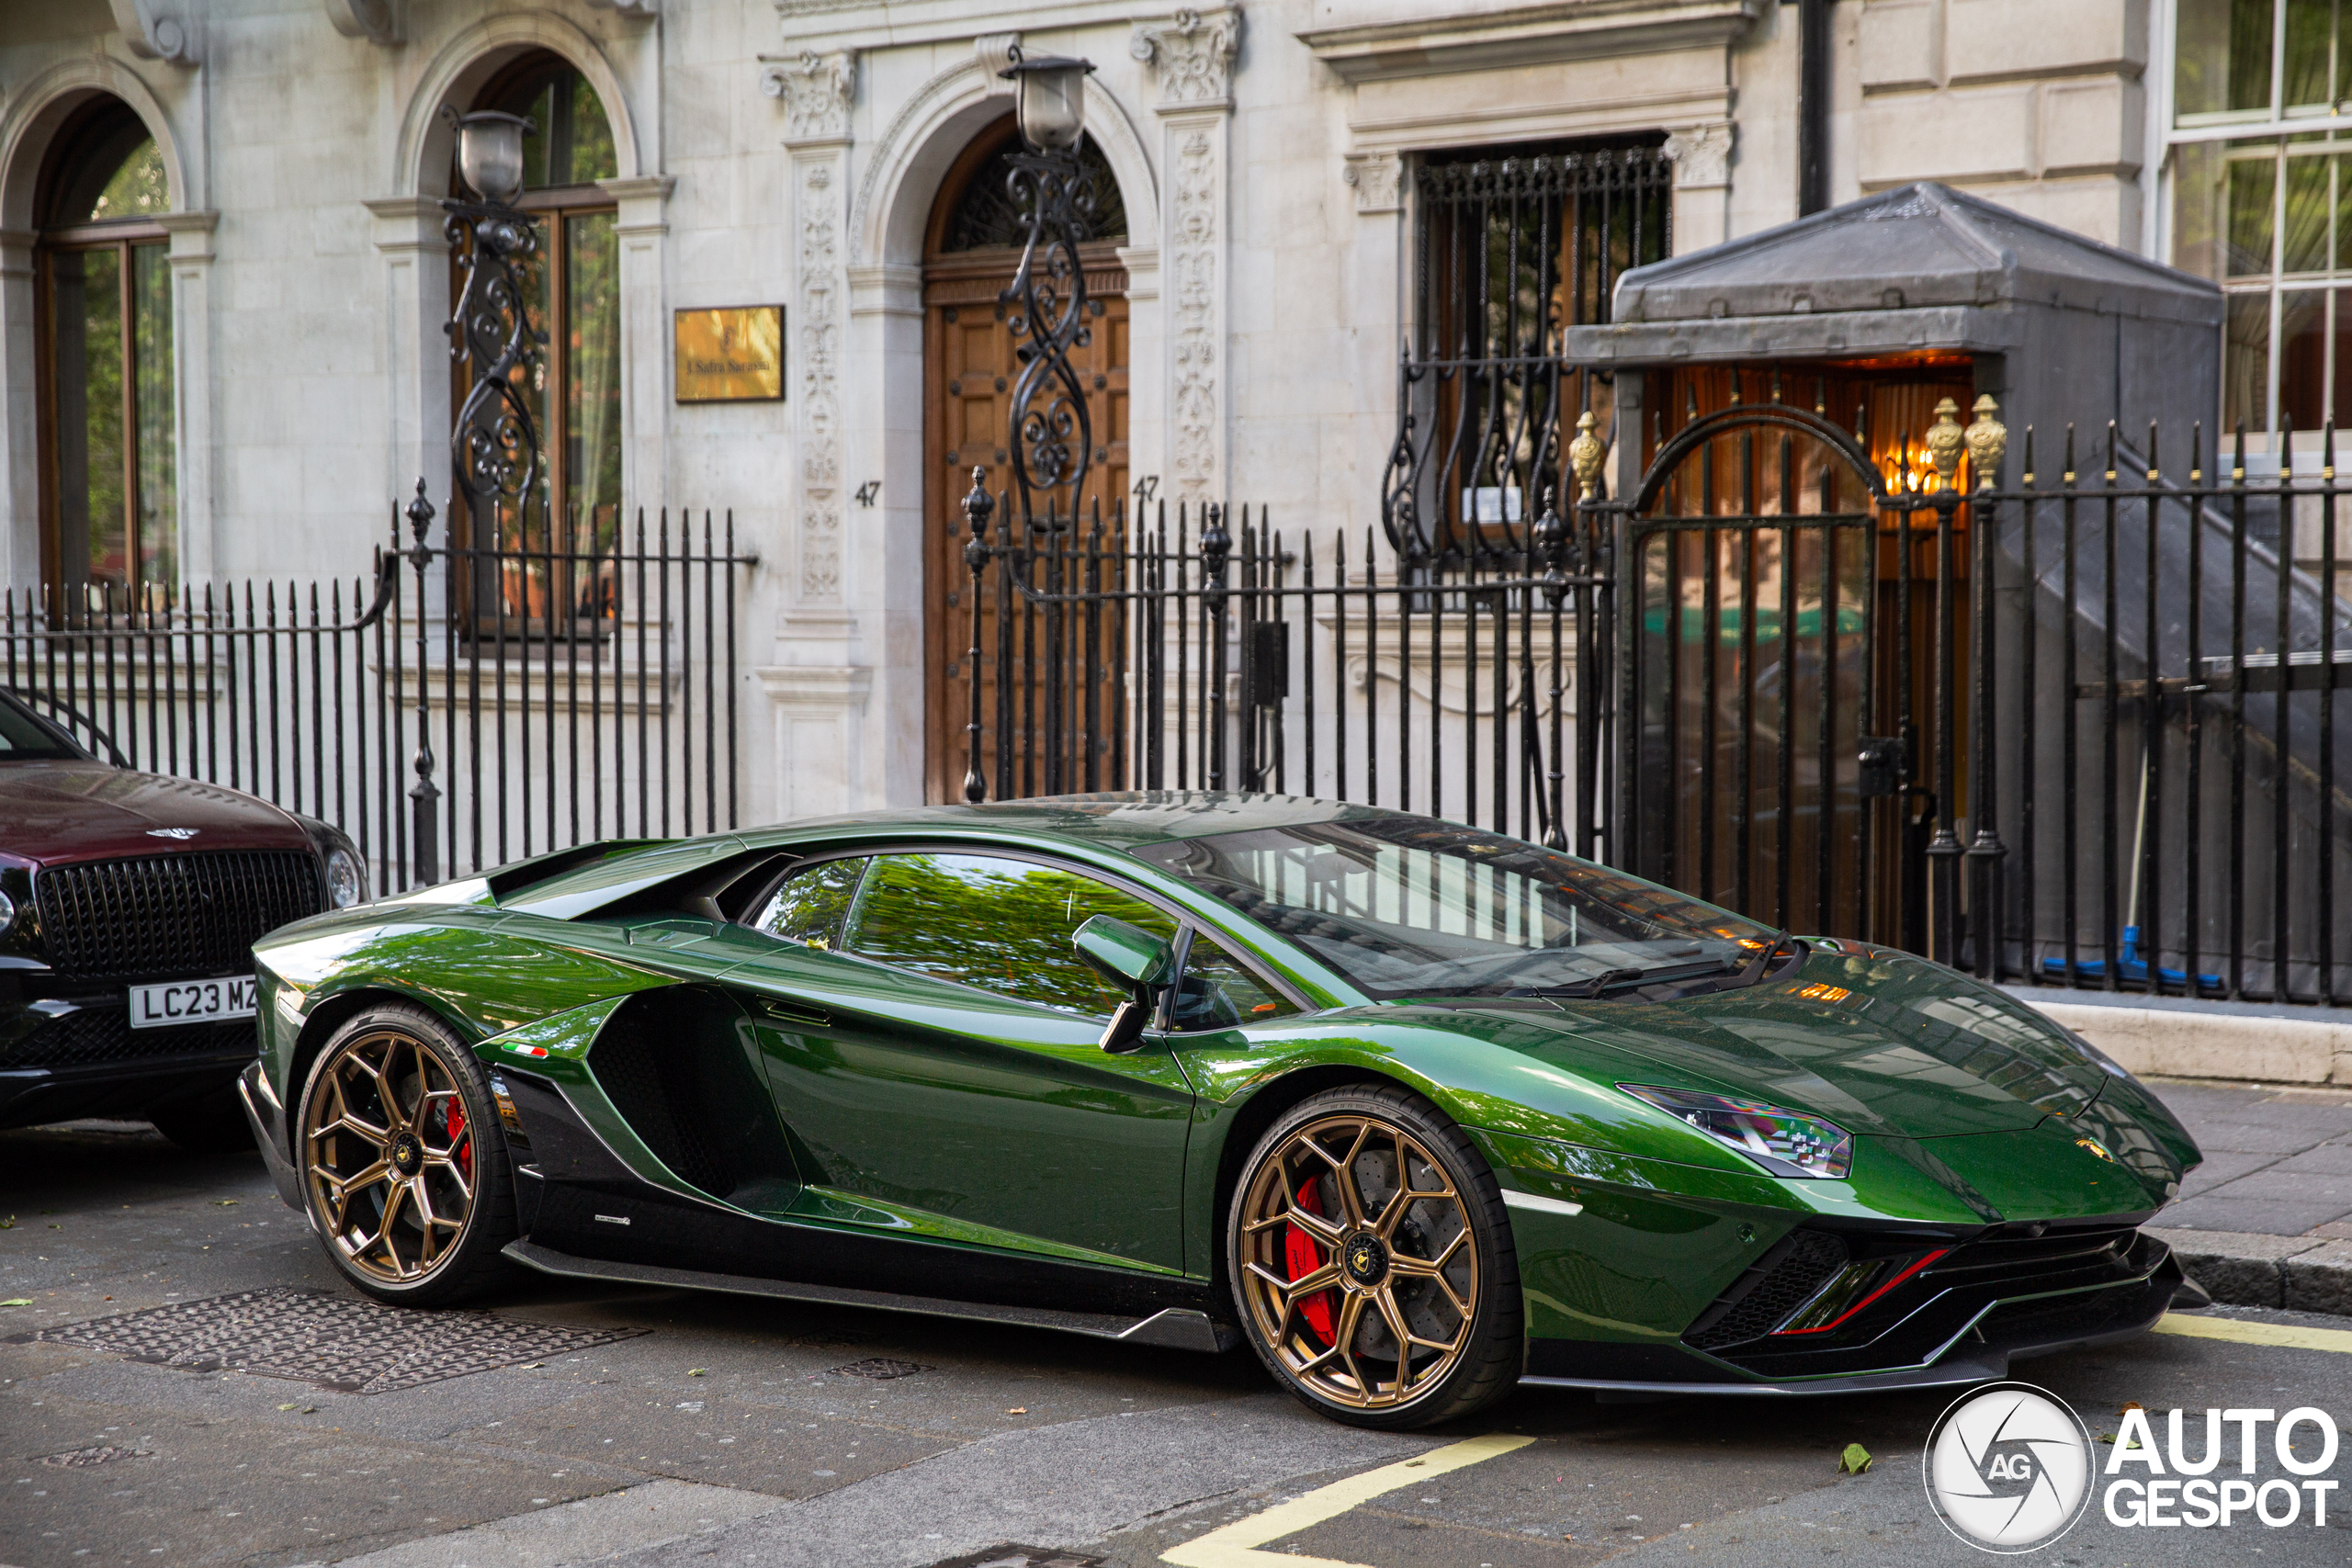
x=1417 y=1112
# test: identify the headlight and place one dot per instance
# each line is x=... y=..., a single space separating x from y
x=346 y=879
x=1786 y=1143
x=8 y=913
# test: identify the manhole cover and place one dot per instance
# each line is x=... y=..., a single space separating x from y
x=82 y=1458
x=880 y=1368
x=332 y=1342
x=1020 y=1557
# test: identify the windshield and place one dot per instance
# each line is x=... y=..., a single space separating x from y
x=24 y=739
x=1412 y=907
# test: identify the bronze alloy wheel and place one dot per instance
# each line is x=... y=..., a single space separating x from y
x=1357 y=1261
x=389 y=1155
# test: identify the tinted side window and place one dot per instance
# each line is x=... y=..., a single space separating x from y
x=998 y=924
x=1216 y=992
x=809 y=906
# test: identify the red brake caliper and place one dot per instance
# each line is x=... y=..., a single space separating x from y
x=461 y=1146
x=1303 y=1256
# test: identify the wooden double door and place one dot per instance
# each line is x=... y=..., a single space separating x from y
x=970 y=365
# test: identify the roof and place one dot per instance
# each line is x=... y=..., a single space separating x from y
x=1922 y=266
x=1922 y=244
x=1119 y=820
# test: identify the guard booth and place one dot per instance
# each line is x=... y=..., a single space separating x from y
x=1795 y=694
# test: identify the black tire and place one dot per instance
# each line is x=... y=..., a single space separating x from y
x=1456 y=1233
x=420 y=1258
x=212 y=1124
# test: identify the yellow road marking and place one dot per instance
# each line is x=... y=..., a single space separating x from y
x=1235 y=1545
x=2285 y=1336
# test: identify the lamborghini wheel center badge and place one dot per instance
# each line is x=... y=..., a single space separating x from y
x=1363 y=1259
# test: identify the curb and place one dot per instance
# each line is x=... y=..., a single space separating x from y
x=2298 y=1273
x=2183 y=1039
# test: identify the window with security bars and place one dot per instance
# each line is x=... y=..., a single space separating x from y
x=1511 y=247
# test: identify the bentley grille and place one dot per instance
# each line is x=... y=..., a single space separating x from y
x=155 y=917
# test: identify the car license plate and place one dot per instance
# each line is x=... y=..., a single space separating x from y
x=192 y=1002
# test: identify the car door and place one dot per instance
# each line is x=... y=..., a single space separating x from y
x=933 y=1043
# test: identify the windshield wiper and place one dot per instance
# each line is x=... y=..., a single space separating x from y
x=1611 y=979
x=1756 y=967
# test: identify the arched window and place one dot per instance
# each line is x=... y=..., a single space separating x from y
x=576 y=392
x=109 y=490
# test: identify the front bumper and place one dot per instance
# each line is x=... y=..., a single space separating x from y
x=63 y=1057
x=1948 y=1335
x=268 y=1119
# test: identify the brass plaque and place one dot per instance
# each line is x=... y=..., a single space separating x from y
x=730 y=355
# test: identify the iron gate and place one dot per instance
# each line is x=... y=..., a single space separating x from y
x=1790 y=660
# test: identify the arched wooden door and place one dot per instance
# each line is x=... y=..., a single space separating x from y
x=969 y=364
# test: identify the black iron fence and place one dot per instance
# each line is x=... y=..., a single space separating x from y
x=451 y=709
x=1201 y=647
x=2164 y=663
x=2075 y=732
x=2078 y=731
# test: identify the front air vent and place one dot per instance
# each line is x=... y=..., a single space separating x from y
x=672 y=1063
x=1784 y=1280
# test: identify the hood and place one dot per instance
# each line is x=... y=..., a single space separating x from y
x=1884 y=1045
x=56 y=812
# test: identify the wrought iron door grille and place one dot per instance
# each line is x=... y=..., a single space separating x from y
x=1512 y=247
x=159 y=916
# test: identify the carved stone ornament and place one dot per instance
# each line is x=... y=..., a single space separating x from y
x=819 y=366
x=994 y=52
x=159 y=29
x=817 y=91
x=634 y=8
x=1193 y=255
x=1378 y=180
x=1193 y=54
x=378 y=21
x=1702 y=154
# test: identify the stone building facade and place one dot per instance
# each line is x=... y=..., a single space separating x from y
x=807 y=154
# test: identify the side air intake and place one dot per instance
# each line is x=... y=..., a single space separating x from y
x=676 y=1064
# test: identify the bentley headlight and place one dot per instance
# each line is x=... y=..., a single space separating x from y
x=8 y=913
x=1786 y=1143
x=346 y=879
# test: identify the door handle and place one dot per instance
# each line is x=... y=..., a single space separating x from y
x=796 y=1013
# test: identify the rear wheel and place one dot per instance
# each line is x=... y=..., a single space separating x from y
x=1372 y=1262
x=403 y=1165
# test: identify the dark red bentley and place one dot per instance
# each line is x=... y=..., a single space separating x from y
x=128 y=906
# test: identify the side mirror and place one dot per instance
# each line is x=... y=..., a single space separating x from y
x=1132 y=959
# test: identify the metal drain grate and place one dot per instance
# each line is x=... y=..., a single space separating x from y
x=331 y=1342
x=82 y=1459
x=1020 y=1557
x=881 y=1367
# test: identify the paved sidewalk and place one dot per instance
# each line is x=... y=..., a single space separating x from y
x=2267 y=1219
x=2277 y=1161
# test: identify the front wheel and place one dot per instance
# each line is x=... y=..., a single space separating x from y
x=1372 y=1262
x=403 y=1165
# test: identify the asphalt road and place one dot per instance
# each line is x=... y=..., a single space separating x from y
x=726 y=1432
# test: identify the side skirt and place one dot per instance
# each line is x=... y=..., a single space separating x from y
x=1173 y=1328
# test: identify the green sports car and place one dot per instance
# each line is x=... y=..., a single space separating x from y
x=1419 y=1111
